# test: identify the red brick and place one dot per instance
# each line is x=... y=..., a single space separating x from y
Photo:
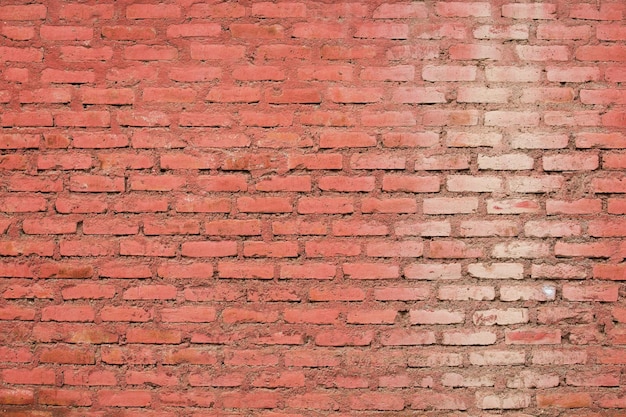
x=382 y=30
x=19 y=182
x=446 y=30
x=488 y=228
x=449 y=73
x=256 y=31
x=326 y=73
x=333 y=52
x=613 y=272
x=507 y=32
x=616 y=206
x=419 y=95
x=601 y=53
x=413 y=184
x=330 y=248
x=466 y=293
x=233 y=227
x=253 y=400
x=209 y=249
x=315 y=30
x=150 y=292
x=407 y=249
x=131 y=75
x=583 y=206
x=468 y=338
x=441 y=401
x=325 y=205
x=126 y=398
x=65 y=355
x=185 y=271
x=65 y=33
x=264 y=205
x=216 y=52
x=300 y=183
x=529 y=11
x=453 y=249
x=150 y=53
x=552 y=228
x=571 y=162
x=88 y=291
x=195 y=74
x=247 y=270
x=436 y=317
x=523 y=74
x=265 y=119
x=450 y=117
x=61 y=397
x=401 y=293
x=573 y=74
x=612 y=401
x=444 y=205
x=547 y=95
x=488 y=401
x=377 y=401
x=475 y=51
x=298 y=227
x=19 y=141
x=354 y=95
x=608 y=185
x=123 y=33
x=615 y=74
x=227 y=10
x=17 y=396
x=388 y=119
x=610 y=11
x=272 y=250
x=459 y=9
x=462 y=183
x=15 y=162
x=592 y=379
x=343 y=10
x=532 y=337
x=308 y=271
x=315 y=316
x=359 y=228
x=23 y=12
x=568 y=400
x=396 y=73
x=35 y=376
x=125 y=314
x=600 y=140
x=67 y=313
x=482 y=95
x=370 y=271
x=581 y=118
x=607 y=228
x=46 y=95
x=400 y=11
x=600 y=293
x=12 y=54
x=321 y=294
x=390 y=205
x=152 y=11
x=19 y=33
x=194 y=30
x=27 y=119
x=204 y=120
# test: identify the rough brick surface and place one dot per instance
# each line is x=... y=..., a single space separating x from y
x=312 y=208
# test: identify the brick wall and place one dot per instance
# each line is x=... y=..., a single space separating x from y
x=312 y=208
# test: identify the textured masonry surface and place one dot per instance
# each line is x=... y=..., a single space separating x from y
x=314 y=208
